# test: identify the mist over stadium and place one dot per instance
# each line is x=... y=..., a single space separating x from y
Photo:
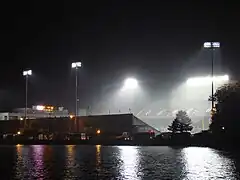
x=152 y=96
x=158 y=106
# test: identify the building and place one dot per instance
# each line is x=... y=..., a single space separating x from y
x=105 y=124
x=115 y=124
x=35 y=112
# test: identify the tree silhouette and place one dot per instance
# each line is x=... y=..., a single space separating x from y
x=182 y=123
x=175 y=126
x=225 y=120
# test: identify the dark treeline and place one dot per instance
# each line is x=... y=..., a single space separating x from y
x=224 y=129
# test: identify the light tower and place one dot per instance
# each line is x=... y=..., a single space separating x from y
x=76 y=66
x=212 y=46
x=26 y=74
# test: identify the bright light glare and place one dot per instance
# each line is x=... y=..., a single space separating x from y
x=211 y=44
x=216 y=44
x=130 y=83
x=76 y=64
x=201 y=81
x=207 y=44
x=40 y=107
x=18 y=132
x=28 y=72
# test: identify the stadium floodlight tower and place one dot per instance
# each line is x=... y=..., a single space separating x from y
x=76 y=66
x=26 y=74
x=212 y=46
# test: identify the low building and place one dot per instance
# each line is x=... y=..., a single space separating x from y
x=35 y=112
x=103 y=124
x=115 y=124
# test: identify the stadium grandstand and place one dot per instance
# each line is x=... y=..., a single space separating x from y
x=162 y=118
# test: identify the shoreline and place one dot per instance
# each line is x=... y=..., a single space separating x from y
x=122 y=143
x=103 y=143
x=173 y=145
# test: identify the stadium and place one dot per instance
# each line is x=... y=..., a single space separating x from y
x=191 y=96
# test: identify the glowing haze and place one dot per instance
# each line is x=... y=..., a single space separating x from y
x=203 y=81
x=190 y=95
x=129 y=84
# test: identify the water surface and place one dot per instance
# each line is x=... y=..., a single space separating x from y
x=116 y=162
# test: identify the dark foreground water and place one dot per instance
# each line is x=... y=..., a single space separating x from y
x=115 y=162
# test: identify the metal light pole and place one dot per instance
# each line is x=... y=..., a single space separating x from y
x=75 y=66
x=26 y=74
x=212 y=59
x=212 y=46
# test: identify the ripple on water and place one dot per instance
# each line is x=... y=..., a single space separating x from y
x=116 y=162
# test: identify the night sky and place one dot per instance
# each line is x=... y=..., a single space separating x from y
x=113 y=40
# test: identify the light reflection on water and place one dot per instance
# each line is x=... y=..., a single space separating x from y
x=38 y=163
x=130 y=162
x=70 y=162
x=116 y=162
x=98 y=156
x=206 y=163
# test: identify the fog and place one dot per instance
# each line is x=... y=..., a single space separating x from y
x=158 y=107
x=159 y=111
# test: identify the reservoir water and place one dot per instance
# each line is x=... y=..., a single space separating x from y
x=116 y=162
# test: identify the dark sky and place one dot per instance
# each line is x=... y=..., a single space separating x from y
x=151 y=41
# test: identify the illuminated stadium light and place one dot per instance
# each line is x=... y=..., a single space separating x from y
x=207 y=44
x=130 y=83
x=211 y=45
x=76 y=64
x=216 y=44
x=201 y=81
x=27 y=73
